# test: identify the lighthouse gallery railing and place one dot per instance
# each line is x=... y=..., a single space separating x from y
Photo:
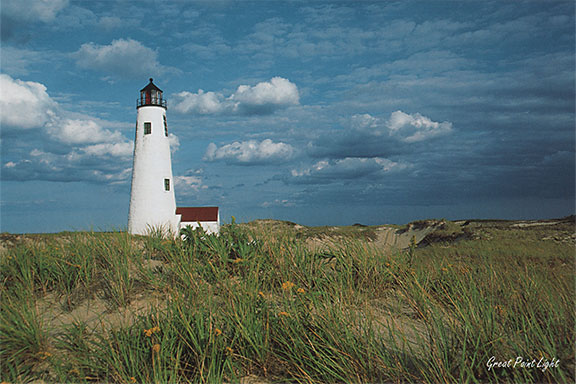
x=159 y=101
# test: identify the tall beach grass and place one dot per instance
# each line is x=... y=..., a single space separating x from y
x=260 y=303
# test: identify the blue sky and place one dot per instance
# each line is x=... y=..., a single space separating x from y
x=318 y=112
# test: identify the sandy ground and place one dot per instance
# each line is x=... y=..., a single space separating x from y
x=387 y=238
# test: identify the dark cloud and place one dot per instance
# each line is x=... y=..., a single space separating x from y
x=63 y=171
x=17 y=15
x=369 y=136
x=344 y=170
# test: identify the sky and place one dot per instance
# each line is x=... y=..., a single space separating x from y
x=316 y=112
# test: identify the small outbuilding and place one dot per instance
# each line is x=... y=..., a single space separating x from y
x=206 y=217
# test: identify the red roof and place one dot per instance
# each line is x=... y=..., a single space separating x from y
x=198 y=213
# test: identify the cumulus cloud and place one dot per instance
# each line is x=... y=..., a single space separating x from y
x=374 y=136
x=405 y=127
x=86 y=164
x=24 y=104
x=350 y=168
x=122 y=57
x=186 y=185
x=121 y=149
x=73 y=149
x=266 y=96
x=415 y=127
x=262 y=98
x=201 y=103
x=250 y=152
x=77 y=131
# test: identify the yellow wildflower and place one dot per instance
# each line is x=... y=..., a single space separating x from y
x=236 y=261
x=44 y=355
x=156 y=348
x=444 y=269
x=229 y=350
x=500 y=310
x=283 y=314
x=287 y=285
x=132 y=379
x=151 y=331
x=217 y=332
x=300 y=290
x=261 y=294
x=388 y=265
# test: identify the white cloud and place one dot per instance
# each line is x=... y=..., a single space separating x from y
x=184 y=184
x=122 y=149
x=24 y=104
x=123 y=57
x=101 y=163
x=202 y=103
x=174 y=142
x=366 y=123
x=264 y=97
x=72 y=131
x=31 y=10
x=274 y=93
x=409 y=128
x=74 y=148
x=415 y=127
x=117 y=177
x=324 y=172
x=250 y=152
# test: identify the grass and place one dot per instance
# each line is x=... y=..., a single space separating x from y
x=256 y=301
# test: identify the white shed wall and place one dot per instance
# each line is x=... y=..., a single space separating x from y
x=208 y=226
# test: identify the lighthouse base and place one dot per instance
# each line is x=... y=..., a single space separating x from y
x=169 y=228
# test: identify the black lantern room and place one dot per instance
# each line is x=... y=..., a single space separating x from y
x=151 y=95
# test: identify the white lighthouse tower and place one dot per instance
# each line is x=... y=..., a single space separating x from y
x=152 y=202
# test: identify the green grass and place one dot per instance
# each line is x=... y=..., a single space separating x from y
x=256 y=301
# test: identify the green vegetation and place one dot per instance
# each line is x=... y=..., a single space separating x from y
x=257 y=301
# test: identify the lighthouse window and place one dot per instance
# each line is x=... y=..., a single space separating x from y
x=147 y=128
x=166 y=184
x=165 y=126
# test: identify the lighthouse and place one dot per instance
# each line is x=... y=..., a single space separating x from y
x=152 y=201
